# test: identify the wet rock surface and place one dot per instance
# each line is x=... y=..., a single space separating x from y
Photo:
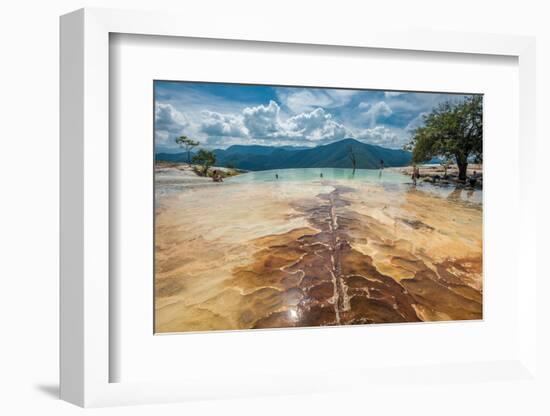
x=344 y=255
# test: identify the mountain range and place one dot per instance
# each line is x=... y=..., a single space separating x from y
x=333 y=155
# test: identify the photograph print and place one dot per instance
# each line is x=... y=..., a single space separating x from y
x=292 y=206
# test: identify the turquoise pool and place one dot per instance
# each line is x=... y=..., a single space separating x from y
x=311 y=174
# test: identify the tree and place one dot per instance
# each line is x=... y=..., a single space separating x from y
x=188 y=144
x=451 y=129
x=206 y=158
x=352 y=158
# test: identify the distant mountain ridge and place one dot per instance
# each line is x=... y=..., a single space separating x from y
x=333 y=155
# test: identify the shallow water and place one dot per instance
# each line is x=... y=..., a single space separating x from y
x=390 y=180
x=257 y=252
x=310 y=174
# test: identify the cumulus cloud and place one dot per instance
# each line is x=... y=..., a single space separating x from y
x=262 y=121
x=375 y=111
x=167 y=118
x=222 y=125
x=169 y=123
x=317 y=125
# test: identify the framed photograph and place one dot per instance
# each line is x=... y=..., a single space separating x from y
x=313 y=215
x=281 y=207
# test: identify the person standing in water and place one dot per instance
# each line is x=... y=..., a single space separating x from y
x=276 y=176
x=381 y=164
x=321 y=175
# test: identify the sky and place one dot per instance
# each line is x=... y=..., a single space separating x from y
x=220 y=115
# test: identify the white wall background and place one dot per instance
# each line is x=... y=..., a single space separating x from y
x=29 y=80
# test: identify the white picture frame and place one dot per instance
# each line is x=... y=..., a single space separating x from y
x=85 y=219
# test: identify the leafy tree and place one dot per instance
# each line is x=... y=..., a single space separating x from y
x=451 y=130
x=188 y=144
x=206 y=158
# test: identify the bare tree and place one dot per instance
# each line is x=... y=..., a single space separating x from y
x=187 y=143
x=351 y=155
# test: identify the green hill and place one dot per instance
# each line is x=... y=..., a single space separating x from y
x=333 y=155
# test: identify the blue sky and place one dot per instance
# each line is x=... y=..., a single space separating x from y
x=221 y=115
